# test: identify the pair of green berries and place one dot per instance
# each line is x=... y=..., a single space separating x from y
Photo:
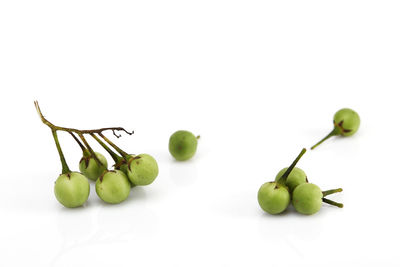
x=112 y=186
x=291 y=184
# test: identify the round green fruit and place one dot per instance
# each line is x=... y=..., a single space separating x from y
x=273 y=198
x=113 y=187
x=307 y=198
x=90 y=168
x=142 y=169
x=347 y=121
x=296 y=177
x=72 y=189
x=182 y=145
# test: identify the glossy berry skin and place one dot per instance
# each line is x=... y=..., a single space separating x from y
x=142 y=169
x=72 y=189
x=296 y=177
x=307 y=198
x=182 y=145
x=113 y=187
x=273 y=198
x=92 y=169
x=346 y=121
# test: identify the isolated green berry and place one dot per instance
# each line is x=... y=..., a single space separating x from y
x=182 y=145
x=142 y=169
x=90 y=168
x=347 y=120
x=113 y=186
x=273 y=198
x=296 y=177
x=307 y=198
x=346 y=123
x=72 y=189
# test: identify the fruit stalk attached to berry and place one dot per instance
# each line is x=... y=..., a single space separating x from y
x=346 y=123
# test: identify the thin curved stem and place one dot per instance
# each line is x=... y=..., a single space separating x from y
x=115 y=157
x=332 y=191
x=119 y=150
x=84 y=149
x=58 y=128
x=334 y=132
x=65 y=168
x=333 y=203
x=90 y=150
x=282 y=179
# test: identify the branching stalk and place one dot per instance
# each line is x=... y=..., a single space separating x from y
x=119 y=150
x=115 y=157
x=58 y=128
x=85 y=146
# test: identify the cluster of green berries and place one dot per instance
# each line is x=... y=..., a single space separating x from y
x=112 y=186
x=291 y=184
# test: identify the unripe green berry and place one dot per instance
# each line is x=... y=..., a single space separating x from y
x=72 y=189
x=347 y=121
x=90 y=168
x=296 y=177
x=273 y=198
x=142 y=169
x=113 y=187
x=182 y=145
x=307 y=198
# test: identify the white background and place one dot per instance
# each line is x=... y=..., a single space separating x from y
x=258 y=80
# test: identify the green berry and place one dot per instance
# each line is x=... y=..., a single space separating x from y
x=296 y=177
x=346 y=123
x=72 y=189
x=113 y=187
x=273 y=198
x=90 y=168
x=142 y=169
x=347 y=120
x=182 y=145
x=307 y=198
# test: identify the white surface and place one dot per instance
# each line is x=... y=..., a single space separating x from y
x=258 y=80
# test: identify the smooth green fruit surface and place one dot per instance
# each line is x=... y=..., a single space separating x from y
x=72 y=189
x=182 y=145
x=296 y=177
x=92 y=169
x=113 y=187
x=273 y=198
x=347 y=121
x=307 y=198
x=142 y=169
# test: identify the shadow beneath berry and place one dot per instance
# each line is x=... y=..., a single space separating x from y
x=183 y=173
